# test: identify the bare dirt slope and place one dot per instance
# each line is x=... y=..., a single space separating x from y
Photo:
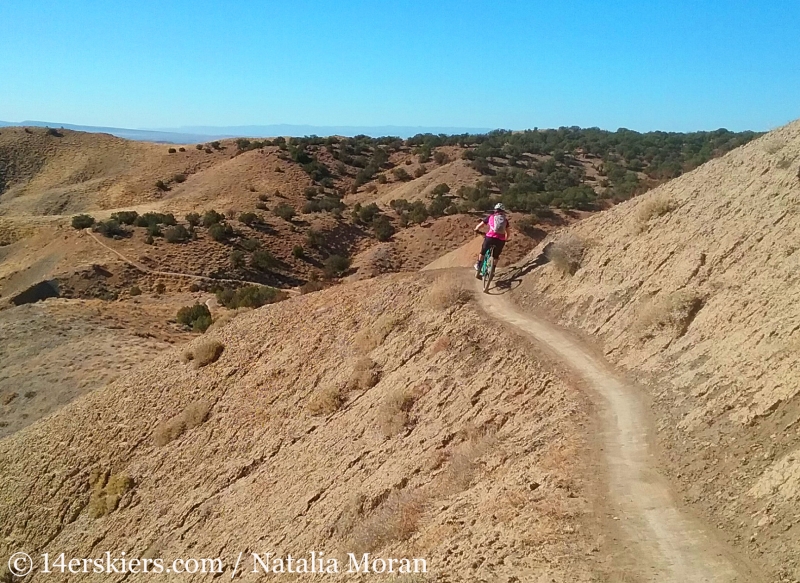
x=377 y=421
x=659 y=542
x=694 y=289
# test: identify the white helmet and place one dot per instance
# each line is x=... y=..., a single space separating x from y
x=499 y=207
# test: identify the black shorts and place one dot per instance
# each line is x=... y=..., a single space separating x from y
x=496 y=245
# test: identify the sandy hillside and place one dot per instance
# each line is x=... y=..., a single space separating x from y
x=378 y=422
x=694 y=289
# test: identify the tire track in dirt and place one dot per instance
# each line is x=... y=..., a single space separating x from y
x=661 y=542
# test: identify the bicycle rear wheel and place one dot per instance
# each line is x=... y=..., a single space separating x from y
x=488 y=273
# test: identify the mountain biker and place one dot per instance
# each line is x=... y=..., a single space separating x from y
x=496 y=236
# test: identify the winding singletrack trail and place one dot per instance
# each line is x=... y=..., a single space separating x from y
x=660 y=542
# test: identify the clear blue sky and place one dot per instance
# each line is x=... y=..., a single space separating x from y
x=641 y=64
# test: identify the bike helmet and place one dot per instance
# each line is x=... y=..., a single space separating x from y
x=499 y=207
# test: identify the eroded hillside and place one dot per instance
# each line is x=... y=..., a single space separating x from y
x=695 y=289
x=382 y=416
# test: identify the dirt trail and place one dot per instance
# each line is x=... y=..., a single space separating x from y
x=660 y=542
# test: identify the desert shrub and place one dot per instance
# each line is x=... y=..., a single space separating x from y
x=326 y=400
x=197 y=317
x=383 y=228
x=298 y=252
x=263 y=260
x=199 y=146
x=250 y=244
x=672 y=312
x=181 y=149
x=220 y=231
x=125 y=217
x=263 y=197
x=193 y=287
x=216 y=145
x=311 y=286
x=237 y=259
x=336 y=265
x=82 y=221
x=172 y=151
x=107 y=490
x=179 y=178
x=393 y=414
x=396 y=519
x=262 y=206
x=149 y=240
x=110 y=228
x=160 y=288
x=251 y=296
x=438 y=206
x=401 y=174
x=154 y=230
x=365 y=375
x=192 y=416
x=135 y=291
x=440 y=189
x=566 y=254
x=417 y=212
x=367 y=213
x=440 y=157
x=310 y=192
x=654 y=207
x=212 y=217
x=176 y=234
x=381 y=179
x=527 y=226
x=284 y=211
x=315 y=239
x=148 y=219
x=373 y=336
x=249 y=218
x=161 y=185
x=209 y=151
x=204 y=353
x=420 y=172
x=447 y=291
x=193 y=219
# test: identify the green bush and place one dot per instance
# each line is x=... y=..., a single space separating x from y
x=179 y=178
x=401 y=174
x=315 y=239
x=193 y=219
x=263 y=197
x=110 y=228
x=251 y=296
x=125 y=217
x=298 y=252
x=440 y=157
x=161 y=185
x=198 y=317
x=284 y=211
x=417 y=212
x=237 y=259
x=420 y=172
x=367 y=213
x=249 y=218
x=220 y=231
x=250 y=244
x=172 y=151
x=148 y=219
x=176 y=234
x=263 y=260
x=440 y=189
x=82 y=221
x=135 y=291
x=212 y=217
x=336 y=265
x=383 y=228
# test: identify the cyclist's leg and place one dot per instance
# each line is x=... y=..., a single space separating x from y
x=487 y=242
x=497 y=248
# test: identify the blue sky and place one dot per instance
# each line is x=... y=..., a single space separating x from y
x=644 y=65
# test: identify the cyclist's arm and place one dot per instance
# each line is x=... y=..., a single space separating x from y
x=478 y=228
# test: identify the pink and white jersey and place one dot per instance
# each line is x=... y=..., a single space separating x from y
x=490 y=221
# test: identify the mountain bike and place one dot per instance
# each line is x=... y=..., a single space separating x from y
x=486 y=270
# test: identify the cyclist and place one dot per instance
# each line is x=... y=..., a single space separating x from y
x=496 y=236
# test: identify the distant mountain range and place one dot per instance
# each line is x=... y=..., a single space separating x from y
x=195 y=134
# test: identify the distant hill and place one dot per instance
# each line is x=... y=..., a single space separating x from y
x=195 y=134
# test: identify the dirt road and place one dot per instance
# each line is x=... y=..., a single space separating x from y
x=659 y=541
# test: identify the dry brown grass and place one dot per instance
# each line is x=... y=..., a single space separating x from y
x=365 y=375
x=193 y=415
x=225 y=317
x=396 y=519
x=673 y=312
x=203 y=353
x=326 y=401
x=654 y=207
x=566 y=254
x=370 y=338
x=464 y=459
x=393 y=414
x=107 y=490
x=447 y=291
